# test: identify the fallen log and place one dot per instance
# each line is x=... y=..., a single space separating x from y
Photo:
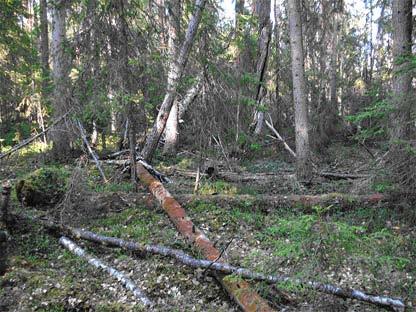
x=31 y=139
x=240 y=291
x=225 y=268
x=303 y=202
x=125 y=281
x=342 y=176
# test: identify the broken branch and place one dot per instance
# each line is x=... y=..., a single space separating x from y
x=90 y=150
x=31 y=139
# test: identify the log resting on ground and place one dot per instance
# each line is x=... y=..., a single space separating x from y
x=240 y=291
x=303 y=202
x=265 y=177
x=125 y=281
x=181 y=257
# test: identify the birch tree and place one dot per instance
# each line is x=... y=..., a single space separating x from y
x=174 y=20
x=174 y=77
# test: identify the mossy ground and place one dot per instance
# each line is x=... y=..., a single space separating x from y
x=370 y=248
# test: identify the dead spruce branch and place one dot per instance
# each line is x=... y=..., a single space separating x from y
x=128 y=283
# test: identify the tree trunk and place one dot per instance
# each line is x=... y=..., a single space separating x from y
x=402 y=78
x=174 y=19
x=262 y=11
x=174 y=77
x=61 y=135
x=44 y=45
x=303 y=167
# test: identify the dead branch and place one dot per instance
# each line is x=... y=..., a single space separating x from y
x=31 y=139
x=126 y=163
x=279 y=137
x=128 y=283
x=240 y=291
x=90 y=150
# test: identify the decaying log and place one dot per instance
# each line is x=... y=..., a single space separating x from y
x=90 y=150
x=31 y=139
x=342 y=176
x=181 y=257
x=128 y=283
x=303 y=202
x=265 y=177
x=240 y=291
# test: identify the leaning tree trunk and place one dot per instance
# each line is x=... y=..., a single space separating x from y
x=174 y=77
x=303 y=169
x=402 y=78
x=174 y=19
x=61 y=134
x=262 y=10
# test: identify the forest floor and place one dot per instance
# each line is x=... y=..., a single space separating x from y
x=367 y=247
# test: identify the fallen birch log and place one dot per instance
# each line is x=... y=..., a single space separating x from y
x=31 y=139
x=125 y=281
x=240 y=291
x=180 y=256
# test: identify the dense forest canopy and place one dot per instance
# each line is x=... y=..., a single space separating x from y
x=276 y=96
